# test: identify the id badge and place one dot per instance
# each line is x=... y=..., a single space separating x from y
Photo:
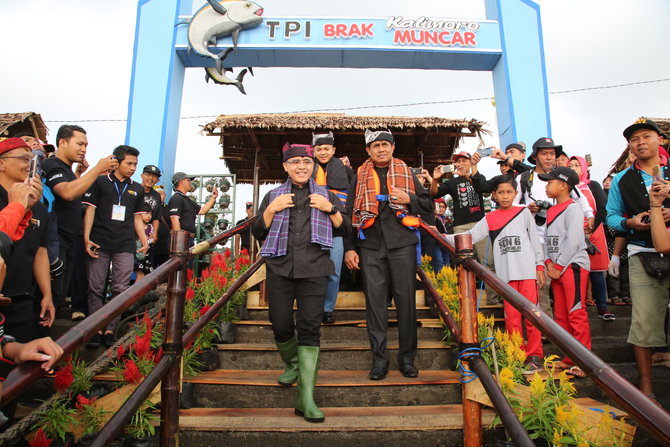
x=119 y=213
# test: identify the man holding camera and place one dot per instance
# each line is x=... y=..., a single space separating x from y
x=466 y=191
x=532 y=192
x=512 y=158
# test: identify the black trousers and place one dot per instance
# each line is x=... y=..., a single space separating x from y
x=309 y=294
x=398 y=267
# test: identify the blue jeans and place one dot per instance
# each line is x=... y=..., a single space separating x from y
x=599 y=290
x=336 y=255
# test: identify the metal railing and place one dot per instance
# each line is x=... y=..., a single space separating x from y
x=640 y=408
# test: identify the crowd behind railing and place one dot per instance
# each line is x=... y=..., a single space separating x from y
x=557 y=237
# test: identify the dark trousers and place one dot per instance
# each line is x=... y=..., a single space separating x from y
x=98 y=270
x=79 y=281
x=61 y=285
x=396 y=267
x=619 y=287
x=309 y=294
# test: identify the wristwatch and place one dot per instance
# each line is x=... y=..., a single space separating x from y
x=332 y=211
x=6 y=365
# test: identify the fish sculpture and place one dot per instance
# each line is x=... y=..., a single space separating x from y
x=221 y=78
x=220 y=19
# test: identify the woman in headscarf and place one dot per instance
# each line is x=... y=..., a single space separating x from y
x=600 y=259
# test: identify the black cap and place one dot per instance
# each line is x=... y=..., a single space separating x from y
x=151 y=169
x=563 y=174
x=642 y=123
x=520 y=145
x=544 y=143
x=179 y=176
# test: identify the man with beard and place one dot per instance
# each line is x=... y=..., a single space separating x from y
x=386 y=200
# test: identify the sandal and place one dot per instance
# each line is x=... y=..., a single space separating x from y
x=618 y=302
x=577 y=372
x=590 y=302
x=660 y=357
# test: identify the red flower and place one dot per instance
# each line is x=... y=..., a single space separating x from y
x=189 y=275
x=190 y=294
x=205 y=274
x=143 y=345
x=120 y=351
x=226 y=253
x=244 y=252
x=204 y=310
x=158 y=355
x=222 y=281
x=238 y=264
x=131 y=372
x=147 y=321
x=63 y=378
x=40 y=439
x=82 y=401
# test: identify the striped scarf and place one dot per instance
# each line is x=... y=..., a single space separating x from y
x=366 y=205
x=276 y=243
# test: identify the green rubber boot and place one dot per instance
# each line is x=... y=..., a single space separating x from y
x=289 y=354
x=308 y=361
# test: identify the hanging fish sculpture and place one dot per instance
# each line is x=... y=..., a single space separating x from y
x=211 y=73
x=220 y=19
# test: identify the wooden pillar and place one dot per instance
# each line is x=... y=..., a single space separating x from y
x=174 y=321
x=472 y=411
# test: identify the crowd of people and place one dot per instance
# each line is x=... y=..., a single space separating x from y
x=554 y=235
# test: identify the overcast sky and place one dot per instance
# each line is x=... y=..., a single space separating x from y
x=72 y=58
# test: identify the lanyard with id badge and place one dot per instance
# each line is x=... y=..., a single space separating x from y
x=119 y=211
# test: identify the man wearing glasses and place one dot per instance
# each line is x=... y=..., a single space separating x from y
x=296 y=223
x=183 y=211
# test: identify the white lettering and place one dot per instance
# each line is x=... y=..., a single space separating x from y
x=426 y=23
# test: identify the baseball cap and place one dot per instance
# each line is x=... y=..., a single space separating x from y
x=461 y=154
x=642 y=123
x=12 y=143
x=179 y=176
x=519 y=145
x=563 y=174
x=151 y=169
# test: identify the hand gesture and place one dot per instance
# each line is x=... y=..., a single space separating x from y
x=497 y=153
x=215 y=193
x=553 y=272
x=143 y=249
x=425 y=176
x=41 y=350
x=658 y=193
x=280 y=203
x=47 y=312
x=533 y=208
x=437 y=172
x=398 y=196
x=21 y=193
x=107 y=164
x=351 y=260
x=476 y=157
x=82 y=166
x=640 y=222
x=91 y=248
x=540 y=278
x=320 y=202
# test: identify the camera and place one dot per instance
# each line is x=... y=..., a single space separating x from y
x=448 y=169
x=416 y=171
x=541 y=216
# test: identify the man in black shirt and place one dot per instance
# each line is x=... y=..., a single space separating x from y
x=68 y=188
x=296 y=222
x=150 y=176
x=114 y=205
x=29 y=262
x=183 y=211
x=385 y=199
x=513 y=157
x=243 y=239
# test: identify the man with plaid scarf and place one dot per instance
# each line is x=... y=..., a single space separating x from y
x=385 y=200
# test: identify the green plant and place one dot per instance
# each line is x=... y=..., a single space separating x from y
x=142 y=423
x=56 y=419
x=82 y=378
x=89 y=414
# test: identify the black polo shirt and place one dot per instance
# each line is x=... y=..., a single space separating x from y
x=185 y=209
x=19 y=280
x=152 y=201
x=245 y=235
x=68 y=212
x=108 y=230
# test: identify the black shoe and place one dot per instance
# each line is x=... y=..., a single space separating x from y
x=94 y=342
x=408 y=370
x=328 y=318
x=378 y=373
x=109 y=339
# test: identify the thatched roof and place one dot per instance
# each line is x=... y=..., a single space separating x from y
x=664 y=124
x=13 y=123
x=430 y=139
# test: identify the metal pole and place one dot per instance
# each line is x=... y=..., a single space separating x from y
x=174 y=320
x=472 y=411
x=256 y=200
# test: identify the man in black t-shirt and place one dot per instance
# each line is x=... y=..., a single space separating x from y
x=150 y=176
x=243 y=239
x=183 y=211
x=114 y=205
x=68 y=187
x=29 y=262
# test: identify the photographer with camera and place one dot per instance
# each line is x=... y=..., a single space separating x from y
x=532 y=193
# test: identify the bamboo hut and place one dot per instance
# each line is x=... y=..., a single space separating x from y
x=13 y=123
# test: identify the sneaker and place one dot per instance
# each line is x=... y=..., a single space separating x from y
x=109 y=339
x=328 y=318
x=94 y=342
x=608 y=316
x=78 y=316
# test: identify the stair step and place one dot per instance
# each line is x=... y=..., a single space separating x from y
x=338 y=419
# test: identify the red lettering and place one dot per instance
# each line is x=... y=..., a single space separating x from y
x=470 y=39
x=340 y=30
x=366 y=29
x=430 y=37
x=444 y=38
x=417 y=36
x=402 y=36
x=458 y=39
x=328 y=30
x=354 y=31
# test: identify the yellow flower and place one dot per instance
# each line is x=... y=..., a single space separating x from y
x=506 y=378
x=557 y=438
x=549 y=362
x=537 y=385
x=563 y=417
x=583 y=444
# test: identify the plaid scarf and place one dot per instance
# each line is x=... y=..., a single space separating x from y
x=276 y=243
x=366 y=205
